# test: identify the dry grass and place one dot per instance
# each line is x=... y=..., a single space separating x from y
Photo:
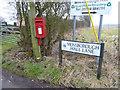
x=82 y=71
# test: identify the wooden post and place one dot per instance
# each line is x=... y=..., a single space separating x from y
x=36 y=47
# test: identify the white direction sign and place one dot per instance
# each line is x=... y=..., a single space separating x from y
x=80 y=47
x=100 y=7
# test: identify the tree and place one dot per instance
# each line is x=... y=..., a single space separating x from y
x=22 y=13
x=56 y=25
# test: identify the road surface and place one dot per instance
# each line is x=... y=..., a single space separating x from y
x=12 y=80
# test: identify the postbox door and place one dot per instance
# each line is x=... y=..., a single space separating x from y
x=39 y=31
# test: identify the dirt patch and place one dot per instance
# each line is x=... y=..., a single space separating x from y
x=17 y=55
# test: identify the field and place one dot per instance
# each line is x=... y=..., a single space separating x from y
x=78 y=72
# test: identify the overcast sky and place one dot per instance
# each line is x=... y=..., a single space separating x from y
x=109 y=19
x=6 y=12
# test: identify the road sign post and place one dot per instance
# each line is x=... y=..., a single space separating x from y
x=74 y=26
x=83 y=7
x=99 y=33
x=114 y=44
x=60 y=53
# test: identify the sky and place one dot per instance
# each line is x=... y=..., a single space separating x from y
x=6 y=12
x=108 y=19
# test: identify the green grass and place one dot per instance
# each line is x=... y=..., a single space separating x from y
x=45 y=70
x=7 y=46
x=110 y=32
x=9 y=65
x=87 y=35
x=11 y=39
x=0 y=59
x=9 y=42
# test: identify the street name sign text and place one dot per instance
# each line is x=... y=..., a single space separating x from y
x=80 y=47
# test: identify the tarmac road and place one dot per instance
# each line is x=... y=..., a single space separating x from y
x=9 y=80
x=12 y=80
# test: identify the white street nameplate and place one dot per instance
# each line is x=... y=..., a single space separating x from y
x=80 y=47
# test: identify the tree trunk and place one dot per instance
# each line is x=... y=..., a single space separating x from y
x=35 y=46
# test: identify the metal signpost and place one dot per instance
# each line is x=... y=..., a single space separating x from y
x=93 y=49
x=85 y=7
x=74 y=25
x=114 y=44
x=99 y=33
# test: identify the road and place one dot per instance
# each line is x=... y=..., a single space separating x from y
x=12 y=80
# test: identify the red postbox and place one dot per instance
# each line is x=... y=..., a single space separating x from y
x=41 y=30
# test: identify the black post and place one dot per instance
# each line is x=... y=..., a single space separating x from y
x=100 y=61
x=60 y=53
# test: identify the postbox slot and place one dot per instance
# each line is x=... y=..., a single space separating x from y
x=38 y=21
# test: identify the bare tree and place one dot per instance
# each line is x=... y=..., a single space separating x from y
x=1 y=19
x=56 y=25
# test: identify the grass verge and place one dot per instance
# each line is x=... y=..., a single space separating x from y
x=80 y=72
